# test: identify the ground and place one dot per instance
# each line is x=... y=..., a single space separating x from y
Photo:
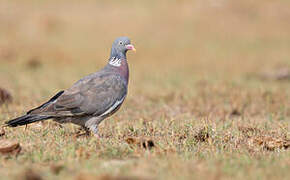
x=208 y=95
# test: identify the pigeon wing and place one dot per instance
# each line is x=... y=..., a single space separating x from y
x=89 y=96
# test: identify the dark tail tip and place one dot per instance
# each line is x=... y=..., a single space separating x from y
x=26 y=119
x=18 y=121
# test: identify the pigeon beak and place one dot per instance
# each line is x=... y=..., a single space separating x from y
x=130 y=47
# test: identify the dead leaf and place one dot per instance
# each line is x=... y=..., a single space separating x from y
x=202 y=135
x=9 y=147
x=148 y=144
x=142 y=142
x=131 y=140
x=271 y=143
x=2 y=132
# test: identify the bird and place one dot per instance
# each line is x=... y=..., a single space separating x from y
x=91 y=99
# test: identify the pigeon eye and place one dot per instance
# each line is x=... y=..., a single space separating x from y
x=120 y=42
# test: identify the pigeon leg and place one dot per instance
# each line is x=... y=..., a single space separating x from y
x=93 y=124
x=94 y=129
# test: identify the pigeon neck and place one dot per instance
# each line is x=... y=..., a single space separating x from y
x=117 y=58
x=119 y=66
x=117 y=54
x=116 y=62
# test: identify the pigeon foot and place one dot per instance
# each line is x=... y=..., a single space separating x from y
x=83 y=131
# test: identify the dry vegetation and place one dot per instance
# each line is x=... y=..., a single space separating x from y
x=206 y=98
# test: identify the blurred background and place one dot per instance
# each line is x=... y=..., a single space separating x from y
x=222 y=66
x=53 y=43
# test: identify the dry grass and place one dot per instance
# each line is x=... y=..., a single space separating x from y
x=197 y=106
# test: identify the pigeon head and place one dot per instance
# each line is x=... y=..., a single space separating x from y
x=120 y=47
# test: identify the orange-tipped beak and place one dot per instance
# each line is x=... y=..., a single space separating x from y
x=130 y=47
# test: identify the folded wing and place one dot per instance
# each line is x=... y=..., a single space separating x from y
x=90 y=96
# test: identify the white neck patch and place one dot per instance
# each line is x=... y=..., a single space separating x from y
x=115 y=62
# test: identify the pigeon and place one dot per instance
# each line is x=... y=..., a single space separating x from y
x=91 y=99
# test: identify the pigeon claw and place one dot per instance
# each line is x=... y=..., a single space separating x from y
x=86 y=132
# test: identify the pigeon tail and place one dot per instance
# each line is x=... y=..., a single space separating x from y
x=26 y=119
